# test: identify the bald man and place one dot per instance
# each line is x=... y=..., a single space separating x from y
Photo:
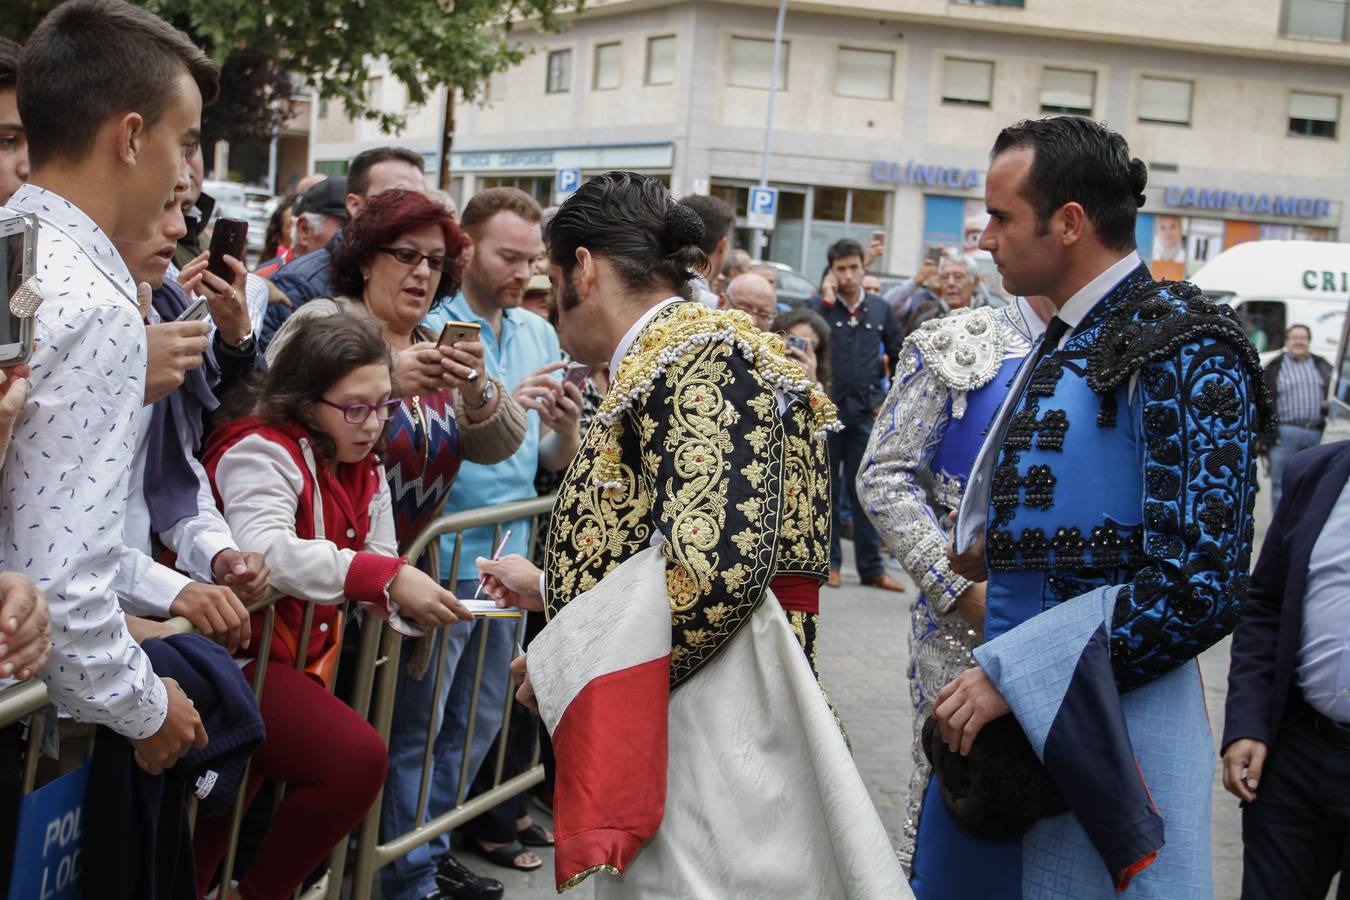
x=309 y=181
x=753 y=295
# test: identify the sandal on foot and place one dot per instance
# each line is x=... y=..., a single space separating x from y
x=505 y=856
x=535 y=836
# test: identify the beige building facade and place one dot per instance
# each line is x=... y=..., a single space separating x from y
x=887 y=108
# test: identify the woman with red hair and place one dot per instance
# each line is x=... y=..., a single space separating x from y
x=396 y=259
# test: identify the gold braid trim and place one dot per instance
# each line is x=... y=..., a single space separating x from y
x=582 y=876
x=676 y=335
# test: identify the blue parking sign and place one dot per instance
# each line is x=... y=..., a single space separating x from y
x=763 y=208
x=568 y=181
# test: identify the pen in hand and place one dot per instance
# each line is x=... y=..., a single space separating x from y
x=482 y=580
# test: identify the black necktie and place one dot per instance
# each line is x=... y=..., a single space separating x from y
x=1053 y=332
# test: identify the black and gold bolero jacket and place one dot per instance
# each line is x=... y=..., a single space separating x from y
x=693 y=443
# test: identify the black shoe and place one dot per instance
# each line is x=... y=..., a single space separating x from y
x=458 y=882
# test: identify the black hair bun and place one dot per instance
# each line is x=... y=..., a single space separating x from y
x=1138 y=179
x=683 y=227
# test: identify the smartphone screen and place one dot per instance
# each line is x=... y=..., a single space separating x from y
x=15 y=333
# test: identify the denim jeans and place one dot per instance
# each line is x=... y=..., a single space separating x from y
x=847 y=448
x=413 y=876
x=1293 y=438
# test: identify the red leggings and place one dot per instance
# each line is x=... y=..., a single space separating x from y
x=332 y=763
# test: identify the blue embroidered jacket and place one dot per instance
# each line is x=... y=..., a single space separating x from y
x=1129 y=460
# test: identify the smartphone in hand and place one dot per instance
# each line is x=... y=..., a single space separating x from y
x=229 y=237
x=195 y=312
x=19 y=299
x=576 y=373
x=453 y=332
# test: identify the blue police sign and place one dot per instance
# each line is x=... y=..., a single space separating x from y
x=47 y=852
x=568 y=181
x=763 y=208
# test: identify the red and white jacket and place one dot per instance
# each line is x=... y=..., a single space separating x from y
x=327 y=533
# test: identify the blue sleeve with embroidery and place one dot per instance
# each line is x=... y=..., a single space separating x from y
x=1195 y=414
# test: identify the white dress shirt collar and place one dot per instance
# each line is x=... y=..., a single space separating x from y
x=1090 y=294
x=56 y=211
x=626 y=342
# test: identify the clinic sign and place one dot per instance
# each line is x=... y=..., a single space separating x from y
x=925 y=173
x=1247 y=202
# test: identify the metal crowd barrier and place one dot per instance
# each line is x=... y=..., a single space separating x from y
x=376 y=678
x=371 y=855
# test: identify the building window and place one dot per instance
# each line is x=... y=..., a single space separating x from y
x=375 y=90
x=323 y=108
x=661 y=59
x=1313 y=115
x=1165 y=100
x=607 y=65
x=496 y=86
x=752 y=63
x=1017 y=3
x=967 y=82
x=1318 y=19
x=864 y=73
x=1068 y=91
x=559 y=71
x=332 y=167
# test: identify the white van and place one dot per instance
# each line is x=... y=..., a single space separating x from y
x=1274 y=284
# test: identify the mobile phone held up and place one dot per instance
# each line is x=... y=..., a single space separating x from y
x=18 y=242
x=195 y=312
x=576 y=374
x=798 y=343
x=454 y=332
x=229 y=237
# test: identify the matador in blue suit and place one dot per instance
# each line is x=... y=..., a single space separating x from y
x=1113 y=496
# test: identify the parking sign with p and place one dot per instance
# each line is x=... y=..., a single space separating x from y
x=763 y=208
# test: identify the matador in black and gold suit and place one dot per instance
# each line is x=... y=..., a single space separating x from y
x=712 y=437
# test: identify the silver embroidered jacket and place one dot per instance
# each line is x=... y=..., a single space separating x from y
x=951 y=377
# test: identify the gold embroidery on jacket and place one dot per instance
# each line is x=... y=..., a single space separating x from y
x=691 y=440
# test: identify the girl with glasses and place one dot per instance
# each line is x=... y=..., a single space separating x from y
x=396 y=260
x=300 y=480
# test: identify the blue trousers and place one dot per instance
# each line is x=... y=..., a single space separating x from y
x=1293 y=438
x=418 y=708
x=847 y=448
x=950 y=864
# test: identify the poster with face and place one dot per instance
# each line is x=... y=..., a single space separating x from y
x=1169 y=239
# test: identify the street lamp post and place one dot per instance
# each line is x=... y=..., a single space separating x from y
x=758 y=240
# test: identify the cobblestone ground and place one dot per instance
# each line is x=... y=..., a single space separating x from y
x=862 y=657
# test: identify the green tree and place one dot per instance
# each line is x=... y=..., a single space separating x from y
x=428 y=43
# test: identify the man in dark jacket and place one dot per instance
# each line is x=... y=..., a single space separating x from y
x=1297 y=379
x=1286 y=741
x=864 y=346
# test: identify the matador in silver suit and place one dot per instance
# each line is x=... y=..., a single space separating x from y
x=952 y=375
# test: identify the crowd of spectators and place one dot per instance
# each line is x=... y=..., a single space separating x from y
x=291 y=441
